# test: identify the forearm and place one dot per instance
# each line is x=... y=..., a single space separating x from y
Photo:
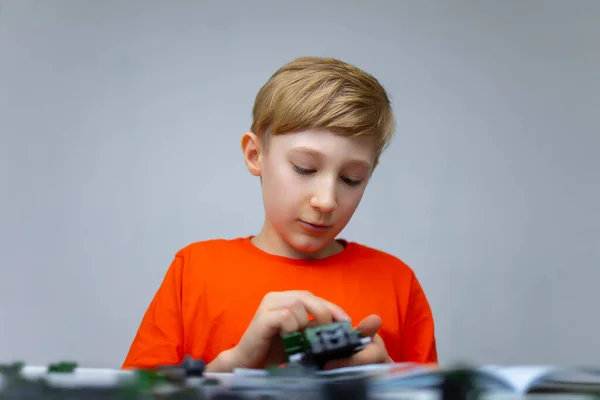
x=224 y=362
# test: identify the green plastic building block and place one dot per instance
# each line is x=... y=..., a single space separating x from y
x=320 y=344
x=295 y=343
x=64 y=366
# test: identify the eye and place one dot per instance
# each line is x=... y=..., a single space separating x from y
x=302 y=171
x=350 y=182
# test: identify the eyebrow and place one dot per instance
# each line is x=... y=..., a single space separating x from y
x=318 y=154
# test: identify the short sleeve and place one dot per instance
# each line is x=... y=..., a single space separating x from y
x=419 y=344
x=159 y=338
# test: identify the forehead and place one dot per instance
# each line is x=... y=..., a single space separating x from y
x=327 y=145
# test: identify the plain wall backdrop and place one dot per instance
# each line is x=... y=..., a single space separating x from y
x=120 y=124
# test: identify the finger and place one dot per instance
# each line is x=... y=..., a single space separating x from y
x=288 y=321
x=258 y=337
x=370 y=325
x=300 y=313
x=371 y=354
x=323 y=311
x=313 y=324
x=338 y=312
x=292 y=303
x=310 y=303
x=272 y=323
x=345 y=362
x=288 y=312
x=341 y=363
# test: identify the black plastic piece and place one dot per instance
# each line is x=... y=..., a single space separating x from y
x=188 y=368
x=192 y=366
x=458 y=384
x=333 y=343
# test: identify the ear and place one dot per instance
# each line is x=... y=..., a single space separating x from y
x=252 y=153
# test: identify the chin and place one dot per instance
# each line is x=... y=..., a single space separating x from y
x=309 y=244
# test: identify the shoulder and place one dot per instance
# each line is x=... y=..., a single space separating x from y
x=208 y=247
x=407 y=286
x=206 y=258
x=211 y=251
x=381 y=259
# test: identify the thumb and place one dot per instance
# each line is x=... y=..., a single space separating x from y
x=370 y=325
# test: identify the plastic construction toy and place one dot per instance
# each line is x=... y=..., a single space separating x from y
x=188 y=368
x=318 y=345
x=459 y=383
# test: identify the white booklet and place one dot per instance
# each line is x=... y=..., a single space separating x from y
x=517 y=379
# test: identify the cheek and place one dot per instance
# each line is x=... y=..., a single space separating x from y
x=282 y=192
x=349 y=201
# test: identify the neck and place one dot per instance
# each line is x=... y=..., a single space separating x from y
x=269 y=241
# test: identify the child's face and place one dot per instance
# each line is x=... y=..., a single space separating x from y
x=312 y=183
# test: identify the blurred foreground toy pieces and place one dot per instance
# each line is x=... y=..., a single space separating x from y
x=189 y=367
x=459 y=384
x=307 y=351
x=173 y=383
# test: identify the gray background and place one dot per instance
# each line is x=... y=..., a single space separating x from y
x=120 y=124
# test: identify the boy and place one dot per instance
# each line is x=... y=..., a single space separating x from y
x=319 y=127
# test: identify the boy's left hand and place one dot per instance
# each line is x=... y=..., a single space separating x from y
x=373 y=353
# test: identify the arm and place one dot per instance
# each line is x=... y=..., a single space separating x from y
x=419 y=344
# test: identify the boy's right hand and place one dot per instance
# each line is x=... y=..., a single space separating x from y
x=278 y=314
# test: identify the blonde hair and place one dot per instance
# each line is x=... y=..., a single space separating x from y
x=323 y=93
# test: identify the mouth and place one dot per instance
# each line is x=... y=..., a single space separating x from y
x=315 y=227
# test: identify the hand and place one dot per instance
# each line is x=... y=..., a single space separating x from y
x=373 y=352
x=278 y=314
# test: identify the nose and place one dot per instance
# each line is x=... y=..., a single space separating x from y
x=324 y=197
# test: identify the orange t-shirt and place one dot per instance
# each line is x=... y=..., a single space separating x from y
x=213 y=288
